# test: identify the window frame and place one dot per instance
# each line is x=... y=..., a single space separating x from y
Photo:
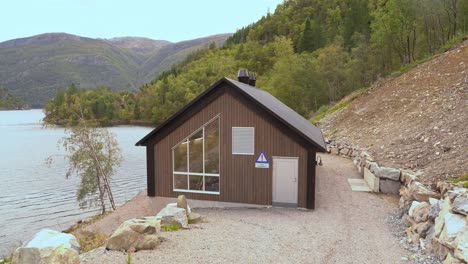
x=253 y=142
x=188 y=173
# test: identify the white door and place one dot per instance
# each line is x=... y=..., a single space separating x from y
x=285 y=177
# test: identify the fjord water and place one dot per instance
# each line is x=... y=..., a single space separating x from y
x=35 y=195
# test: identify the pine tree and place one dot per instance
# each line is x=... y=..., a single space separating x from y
x=312 y=37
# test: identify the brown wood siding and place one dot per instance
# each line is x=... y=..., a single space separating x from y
x=150 y=171
x=240 y=181
x=311 y=163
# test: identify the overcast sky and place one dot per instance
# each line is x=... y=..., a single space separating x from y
x=172 y=20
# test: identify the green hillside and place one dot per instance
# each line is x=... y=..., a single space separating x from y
x=309 y=54
x=35 y=68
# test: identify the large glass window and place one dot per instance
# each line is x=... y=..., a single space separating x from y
x=196 y=160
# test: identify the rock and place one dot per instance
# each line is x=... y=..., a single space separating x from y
x=402 y=203
x=460 y=205
x=372 y=166
x=451 y=260
x=49 y=246
x=430 y=234
x=171 y=215
x=389 y=186
x=433 y=201
x=418 y=231
x=439 y=250
x=421 y=212
x=137 y=233
x=371 y=180
x=435 y=210
x=408 y=220
x=461 y=252
x=364 y=154
x=344 y=151
x=182 y=202
x=444 y=187
x=455 y=192
x=194 y=217
x=454 y=225
x=408 y=177
x=171 y=205
x=422 y=193
x=405 y=193
x=440 y=219
x=413 y=206
x=334 y=151
x=387 y=173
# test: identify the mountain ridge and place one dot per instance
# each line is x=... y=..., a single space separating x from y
x=35 y=67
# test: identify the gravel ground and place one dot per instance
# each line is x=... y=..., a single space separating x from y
x=345 y=227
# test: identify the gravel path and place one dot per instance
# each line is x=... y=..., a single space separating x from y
x=345 y=227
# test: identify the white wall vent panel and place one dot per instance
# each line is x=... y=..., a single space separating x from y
x=243 y=140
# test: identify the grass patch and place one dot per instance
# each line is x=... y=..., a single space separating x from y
x=324 y=110
x=7 y=260
x=85 y=223
x=407 y=67
x=458 y=39
x=463 y=180
x=173 y=227
x=88 y=240
x=129 y=258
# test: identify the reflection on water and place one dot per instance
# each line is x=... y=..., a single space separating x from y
x=34 y=195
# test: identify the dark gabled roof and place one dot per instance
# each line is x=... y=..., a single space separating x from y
x=270 y=103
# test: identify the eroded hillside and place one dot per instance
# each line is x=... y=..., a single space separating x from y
x=418 y=120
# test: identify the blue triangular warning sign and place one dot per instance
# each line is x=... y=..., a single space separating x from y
x=262 y=158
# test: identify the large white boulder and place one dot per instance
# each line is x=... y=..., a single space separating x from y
x=170 y=215
x=137 y=233
x=49 y=246
x=455 y=224
x=440 y=219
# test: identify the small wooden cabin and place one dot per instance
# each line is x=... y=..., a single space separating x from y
x=235 y=143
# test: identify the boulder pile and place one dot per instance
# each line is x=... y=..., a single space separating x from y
x=144 y=233
x=436 y=218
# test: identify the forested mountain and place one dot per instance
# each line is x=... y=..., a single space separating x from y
x=34 y=68
x=10 y=102
x=307 y=53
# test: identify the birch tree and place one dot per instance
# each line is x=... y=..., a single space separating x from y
x=93 y=154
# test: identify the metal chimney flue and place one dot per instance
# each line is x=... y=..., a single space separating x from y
x=243 y=76
x=252 y=79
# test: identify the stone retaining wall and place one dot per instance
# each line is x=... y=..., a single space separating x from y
x=436 y=218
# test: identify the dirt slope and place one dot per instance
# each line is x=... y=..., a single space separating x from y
x=418 y=120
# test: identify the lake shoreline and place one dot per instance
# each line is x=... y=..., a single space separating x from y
x=113 y=123
x=39 y=195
